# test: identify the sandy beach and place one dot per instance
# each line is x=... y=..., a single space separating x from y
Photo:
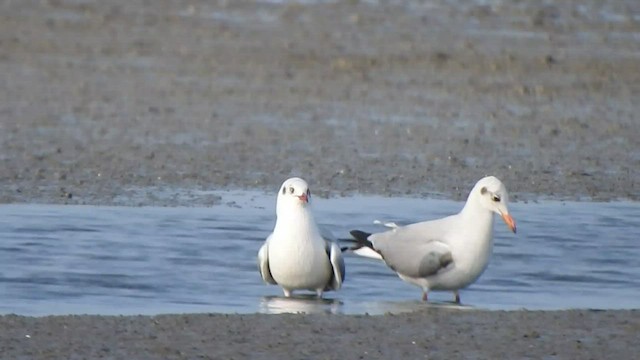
x=109 y=103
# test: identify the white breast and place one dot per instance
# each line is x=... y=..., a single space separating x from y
x=297 y=257
x=471 y=249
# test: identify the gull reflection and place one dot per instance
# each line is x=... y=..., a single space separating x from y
x=399 y=307
x=299 y=304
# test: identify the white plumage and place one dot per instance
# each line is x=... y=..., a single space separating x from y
x=296 y=256
x=444 y=254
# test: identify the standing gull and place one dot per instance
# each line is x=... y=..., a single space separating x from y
x=296 y=256
x=444 y=254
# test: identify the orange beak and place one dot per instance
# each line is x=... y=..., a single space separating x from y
x=304 y=198
x=510 y=222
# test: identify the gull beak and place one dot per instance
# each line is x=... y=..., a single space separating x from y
x=509 y=221
x=303 y=198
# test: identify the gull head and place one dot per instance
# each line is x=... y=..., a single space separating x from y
x=493 y=196
x=294 y=193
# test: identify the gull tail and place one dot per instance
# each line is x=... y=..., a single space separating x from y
x=361 y=245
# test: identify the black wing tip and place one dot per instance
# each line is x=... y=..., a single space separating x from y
x=360 y=235
x=361 y=239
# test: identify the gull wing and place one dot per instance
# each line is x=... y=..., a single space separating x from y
x=337 y=265
x=263 y=263
x=412 y=252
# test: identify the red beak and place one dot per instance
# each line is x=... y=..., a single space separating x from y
x=510 y=222
x=304 y=198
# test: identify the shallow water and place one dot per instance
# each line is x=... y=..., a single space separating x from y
x=146 y=260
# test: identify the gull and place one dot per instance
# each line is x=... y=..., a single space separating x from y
x=445 y=254
x=296 y=256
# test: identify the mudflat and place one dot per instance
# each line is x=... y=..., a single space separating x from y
x=108 y=102
x=404 y=98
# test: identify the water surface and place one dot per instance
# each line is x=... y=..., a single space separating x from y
x=148 y=260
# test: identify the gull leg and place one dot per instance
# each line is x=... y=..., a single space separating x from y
x=319 y=293
x=287 y=292
x=457 y=294
x=425 y=296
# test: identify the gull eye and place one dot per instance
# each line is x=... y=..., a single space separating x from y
x=308 y=194
x=291 y=190
x=495 y=198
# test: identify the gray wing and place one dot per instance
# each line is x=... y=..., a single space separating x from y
x=411 y=252
x=263 y=263
x=337 y=265
x=335 y=258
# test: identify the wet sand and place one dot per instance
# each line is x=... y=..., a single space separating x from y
x=437 y=334
x=115 y=102
x=104 y=100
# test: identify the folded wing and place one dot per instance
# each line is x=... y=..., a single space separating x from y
x=412 y=253
x=263 y=263
x=337 y=265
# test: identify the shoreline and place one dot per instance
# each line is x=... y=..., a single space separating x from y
x=172 y=196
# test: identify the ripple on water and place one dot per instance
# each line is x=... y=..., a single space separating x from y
x=121 y=260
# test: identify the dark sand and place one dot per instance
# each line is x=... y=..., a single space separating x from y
x=110 y=102
x=437 y=334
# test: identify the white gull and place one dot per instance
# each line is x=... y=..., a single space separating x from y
x=296 y=256
x=444 y=254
